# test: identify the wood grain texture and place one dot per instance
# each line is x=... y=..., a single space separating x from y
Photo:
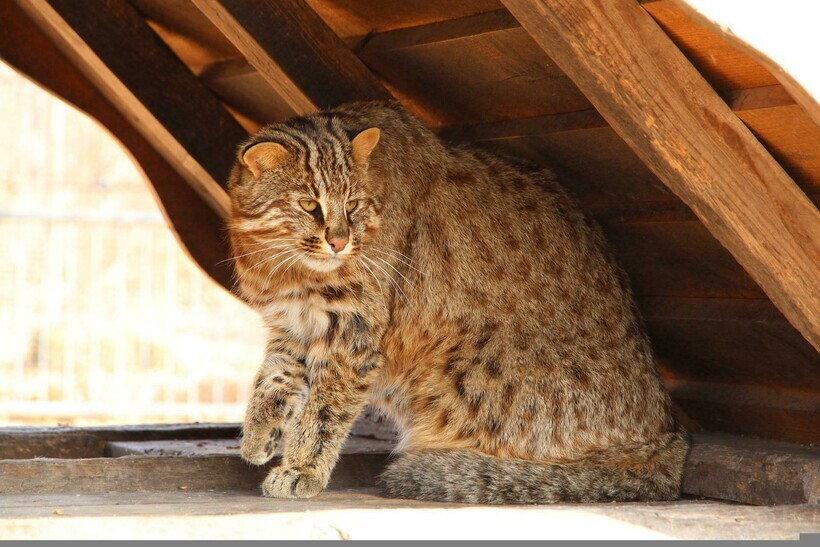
x=363 y=514
x=718 y=466
x=135 y=70
x=165 y=473
x=304 y=61
x=763 y=411
x=752 y=470
x=197 y=227
x=675 y=122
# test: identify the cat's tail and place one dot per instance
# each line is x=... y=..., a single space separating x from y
x=635 y=473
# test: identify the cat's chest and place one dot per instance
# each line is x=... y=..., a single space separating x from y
x=303 y=318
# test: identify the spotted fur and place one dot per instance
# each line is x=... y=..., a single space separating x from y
x=472 y=302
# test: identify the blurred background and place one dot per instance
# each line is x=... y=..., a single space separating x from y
x=103 y=317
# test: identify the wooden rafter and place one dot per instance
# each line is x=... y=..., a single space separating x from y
x=675 y=122
x=299 y=56
x=133 y=68
x=198 y=228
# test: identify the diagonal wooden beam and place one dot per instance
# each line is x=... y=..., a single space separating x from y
x=116 y=49
x=675 y=122
x=302 y=59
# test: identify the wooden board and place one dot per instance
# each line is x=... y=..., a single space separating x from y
x=352 y=20
x=710 y=343
x=774 y=472
x=487 y=77
x=364 y=515
x=752 y=470
x=358 y=466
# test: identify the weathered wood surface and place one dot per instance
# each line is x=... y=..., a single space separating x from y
x=220 y=447
x=675 y=122
x=719 y=466
x=753 y=471
x=68 y=445
x=116 y=49
x=362 y=514
x=303 y=60
x=358 y=466
x=195 y=224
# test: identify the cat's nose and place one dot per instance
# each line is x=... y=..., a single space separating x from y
x=337 y=243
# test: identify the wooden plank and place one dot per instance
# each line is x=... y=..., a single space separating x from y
x=355 y=468
x=718 y=341
x=439 y=31
x=354 y=20
x=783 y=39
x=476 y=79
x=761 y=410
x=195 y=224
x=752 y=471
x=222 y=447
x=658 y=103
x=304 y=61
x=14 y=446
x=114 y=47
x=335 y=515
x=767 y=472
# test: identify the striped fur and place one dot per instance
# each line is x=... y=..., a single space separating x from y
x=473 y=303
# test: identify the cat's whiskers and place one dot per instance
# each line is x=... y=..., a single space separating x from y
x=263 y=261
x=278 y=266
x=271 y=248
x=376 y=279
x=389 y=277
x=395 y=254
x=394 y=269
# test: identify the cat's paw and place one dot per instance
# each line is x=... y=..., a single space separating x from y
x=283 y=482
x=258 y=447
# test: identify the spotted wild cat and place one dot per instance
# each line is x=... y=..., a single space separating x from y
x=463 y=294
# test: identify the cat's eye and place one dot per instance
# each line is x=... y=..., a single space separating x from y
x=308 y=205
x=351 y=205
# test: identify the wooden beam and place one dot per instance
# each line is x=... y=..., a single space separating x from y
x=676 y=123
x=781 y=36
x=439 y=31
x=301 y=58
x=198 y=228
x=115 y=48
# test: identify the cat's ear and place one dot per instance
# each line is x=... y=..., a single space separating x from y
x=364 y=143
x=265 y=155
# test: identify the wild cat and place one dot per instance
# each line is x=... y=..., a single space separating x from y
x=464 y=295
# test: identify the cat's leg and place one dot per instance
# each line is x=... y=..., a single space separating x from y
x=338 y=391
x=278 y=398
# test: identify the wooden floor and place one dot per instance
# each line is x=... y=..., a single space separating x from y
x=188 y=481
x=362 y=514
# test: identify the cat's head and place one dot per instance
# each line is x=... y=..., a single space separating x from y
x=304 y=197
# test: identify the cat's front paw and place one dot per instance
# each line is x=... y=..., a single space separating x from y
x=283 y=482
x=258 y=446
